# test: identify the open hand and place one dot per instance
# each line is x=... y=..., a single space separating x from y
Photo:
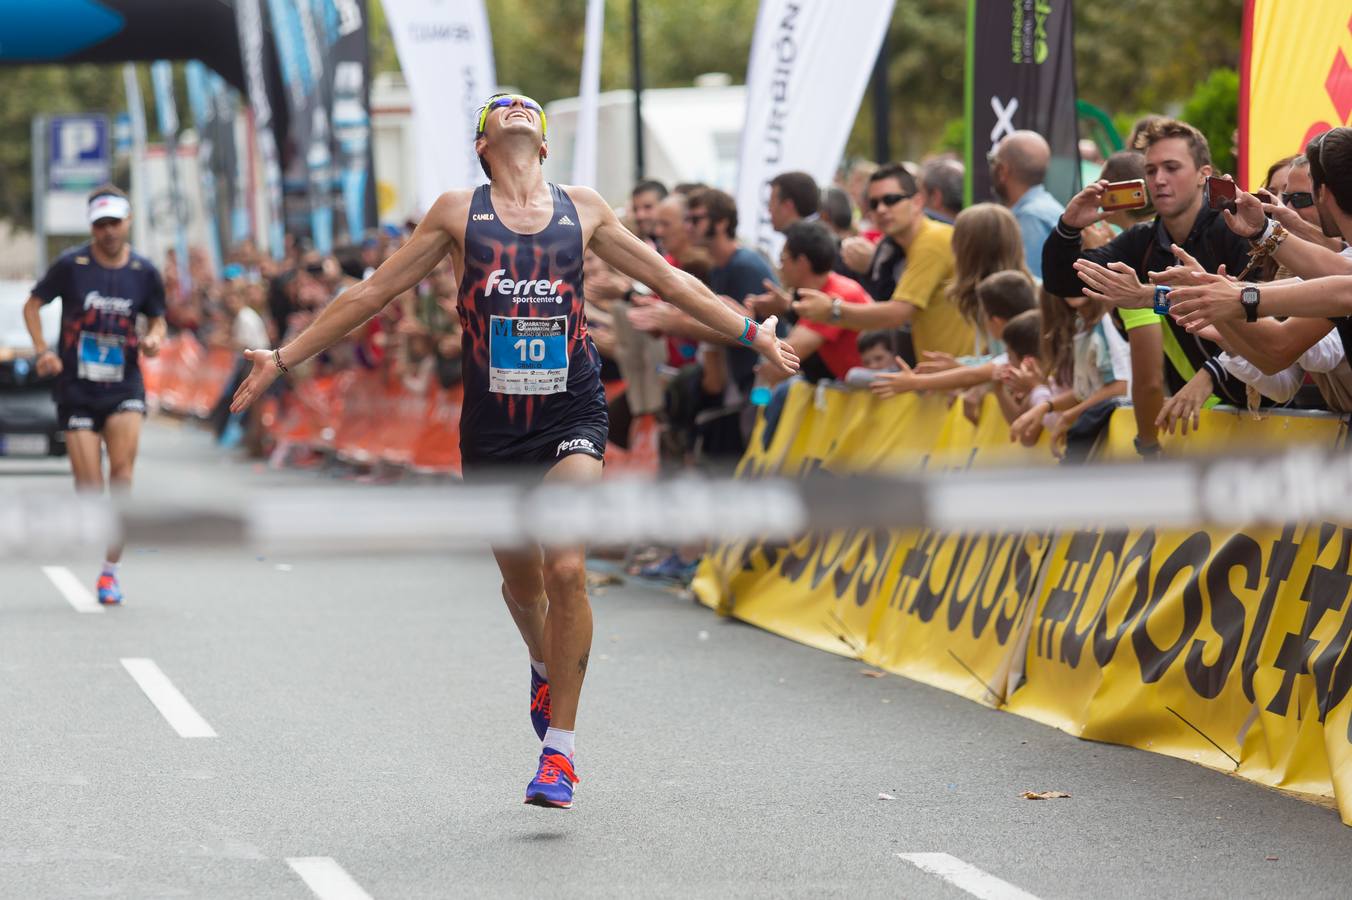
x=1185 y=406
x=1208 y=300
x=261 y=376
x=889 y=384
x=774 y=302
x=936 y=361
x=778 y=355
x=1115 y=283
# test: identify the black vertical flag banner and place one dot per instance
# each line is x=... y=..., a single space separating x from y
x=349 y=89
x=1021 y=75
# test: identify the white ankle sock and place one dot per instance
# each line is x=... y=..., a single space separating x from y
x=540 y=669
x=560 y=740
x=109 y=568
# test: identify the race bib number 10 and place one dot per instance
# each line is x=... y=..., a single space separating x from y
x=528 y=356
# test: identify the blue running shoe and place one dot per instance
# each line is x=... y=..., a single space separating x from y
x=539 y=704
x=673 y=568
x=553 y=783
x=110 y=592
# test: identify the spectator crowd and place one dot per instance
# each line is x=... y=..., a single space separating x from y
x=1200 y=294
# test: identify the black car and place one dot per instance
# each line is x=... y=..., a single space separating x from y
x=28 y=424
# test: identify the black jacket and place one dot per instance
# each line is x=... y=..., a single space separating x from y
x=1145 y=247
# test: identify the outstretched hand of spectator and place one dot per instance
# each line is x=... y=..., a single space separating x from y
x=857 y=252
x=936 y=361
x=889 y=384
x=260 y=378
x=1027 y=427
x=657 y=318
x=1180 y=273
x=1083 y=209
x=813 y=305
x=774 y=302
x=1186 y=405
x=1021 y=379
x=1115 y=283
x=1208 y=300
x=1249 y=218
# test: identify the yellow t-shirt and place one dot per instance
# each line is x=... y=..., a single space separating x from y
x=937 y=324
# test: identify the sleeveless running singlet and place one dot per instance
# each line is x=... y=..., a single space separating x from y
x=532 y=380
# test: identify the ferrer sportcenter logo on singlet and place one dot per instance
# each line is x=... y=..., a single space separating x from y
x=526 y=291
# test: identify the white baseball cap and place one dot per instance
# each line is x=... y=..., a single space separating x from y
x=108 y=206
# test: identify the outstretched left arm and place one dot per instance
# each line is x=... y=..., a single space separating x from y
x=615 y=244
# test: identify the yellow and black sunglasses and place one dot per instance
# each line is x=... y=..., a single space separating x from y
x=499 y=101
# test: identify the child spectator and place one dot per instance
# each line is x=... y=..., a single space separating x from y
x=1000 y=297
x=1090 y=367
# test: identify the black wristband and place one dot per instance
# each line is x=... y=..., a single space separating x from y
x=1262 y=230
x=1067 y=231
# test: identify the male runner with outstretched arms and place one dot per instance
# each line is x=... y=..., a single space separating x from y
x=100 y=395
x=533 y=395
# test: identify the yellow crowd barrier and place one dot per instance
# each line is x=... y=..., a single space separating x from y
x=1225 y=647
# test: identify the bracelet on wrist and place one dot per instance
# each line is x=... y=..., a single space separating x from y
x=277 y=360
x=749 y=332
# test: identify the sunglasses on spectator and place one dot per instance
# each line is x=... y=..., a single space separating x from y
x=1298 y=199
x=504 y=100
x=695 y=219
x=887 y=199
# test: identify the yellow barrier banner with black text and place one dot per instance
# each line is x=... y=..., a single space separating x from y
x=1225 y=647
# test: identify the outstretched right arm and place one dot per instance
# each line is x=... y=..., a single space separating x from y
x=413 y=262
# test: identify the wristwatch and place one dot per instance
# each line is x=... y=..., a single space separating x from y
x=1248 y=298
x=836 y=304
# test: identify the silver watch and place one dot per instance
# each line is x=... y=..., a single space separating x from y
x=836 y=304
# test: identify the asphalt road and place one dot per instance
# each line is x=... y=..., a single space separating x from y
x=372 y=711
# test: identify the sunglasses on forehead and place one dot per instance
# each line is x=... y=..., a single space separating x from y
x=502 y=101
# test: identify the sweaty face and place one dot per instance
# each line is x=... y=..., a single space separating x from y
x=110 y=235
x=1174 y=180
x=645 y=206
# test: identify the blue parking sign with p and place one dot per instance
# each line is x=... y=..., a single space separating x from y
x=79 y=155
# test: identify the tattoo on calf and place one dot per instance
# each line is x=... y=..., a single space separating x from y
x=582 y=664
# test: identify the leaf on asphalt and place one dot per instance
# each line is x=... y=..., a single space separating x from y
x=603 y=579
x=872 y=673
x=1043 y=795
x=886 y=797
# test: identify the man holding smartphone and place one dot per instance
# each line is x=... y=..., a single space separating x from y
x=1177 y=164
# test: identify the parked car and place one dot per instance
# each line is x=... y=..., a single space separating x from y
x=28 y=423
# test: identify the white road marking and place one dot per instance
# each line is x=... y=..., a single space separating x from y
x=76 y=594
x=175 y=708
x=327 y=879
x=966 y=877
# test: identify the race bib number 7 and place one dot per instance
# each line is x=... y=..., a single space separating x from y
x=102 y=357
x=528 y=355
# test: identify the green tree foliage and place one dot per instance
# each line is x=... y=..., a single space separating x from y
x=1214 y=108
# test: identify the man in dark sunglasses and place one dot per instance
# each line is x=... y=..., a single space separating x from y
x=1299 y=213
x=534 y=406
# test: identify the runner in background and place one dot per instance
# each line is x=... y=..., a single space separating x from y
x=104 y=287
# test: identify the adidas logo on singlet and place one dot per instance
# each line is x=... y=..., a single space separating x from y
x=565 y=221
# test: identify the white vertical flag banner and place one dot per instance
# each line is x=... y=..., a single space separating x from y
x=589 y=97
x=446 y=52
x=810 y=63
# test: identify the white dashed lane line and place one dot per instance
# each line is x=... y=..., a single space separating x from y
x=175 y=708
x=76 y=594
x=326 y=879
x=966 y=877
